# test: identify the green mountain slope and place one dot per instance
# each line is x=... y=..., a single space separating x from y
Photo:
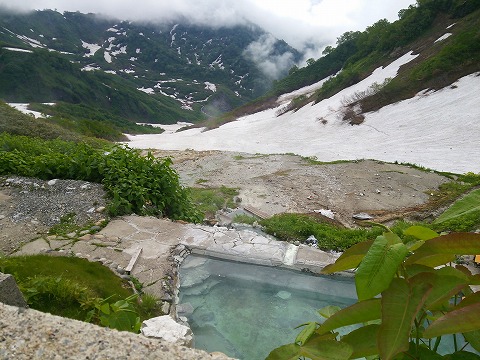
x=160 y=73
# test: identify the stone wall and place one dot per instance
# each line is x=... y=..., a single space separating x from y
x=30 y=334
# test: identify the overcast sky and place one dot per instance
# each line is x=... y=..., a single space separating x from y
x=299 y=22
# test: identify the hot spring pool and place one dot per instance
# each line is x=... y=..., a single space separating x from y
x=246 y=310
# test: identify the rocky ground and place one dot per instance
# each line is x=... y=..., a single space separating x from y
x=270 y=183
x=289 y=183
x=30 y=207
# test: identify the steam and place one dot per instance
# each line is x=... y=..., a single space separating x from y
x=262 y=53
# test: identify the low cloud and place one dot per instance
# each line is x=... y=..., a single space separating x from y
x=307 y=25
x=262 y=53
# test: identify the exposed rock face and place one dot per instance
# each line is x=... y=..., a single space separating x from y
x=30 y=334
x=9 y=292
x=164 y=327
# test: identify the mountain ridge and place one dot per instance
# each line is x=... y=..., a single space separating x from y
x=161 y=73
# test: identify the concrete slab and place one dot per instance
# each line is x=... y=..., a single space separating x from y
x=313 y=259
x=32 y=248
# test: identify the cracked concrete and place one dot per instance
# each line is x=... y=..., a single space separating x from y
x=165 y=243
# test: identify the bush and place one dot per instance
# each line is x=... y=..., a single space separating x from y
x=134 y=183
x=298 y=227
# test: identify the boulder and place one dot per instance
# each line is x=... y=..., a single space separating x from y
x=9 y=292
x=164 y=327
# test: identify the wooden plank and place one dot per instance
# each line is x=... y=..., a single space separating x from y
x=256 y=212
x=133 y=260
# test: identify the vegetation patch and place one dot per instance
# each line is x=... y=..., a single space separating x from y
x=463 y=215
x=210 y=200
x=298 y=227
x=135 y=184
x=78 y=289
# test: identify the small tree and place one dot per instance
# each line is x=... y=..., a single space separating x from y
x=423 y=297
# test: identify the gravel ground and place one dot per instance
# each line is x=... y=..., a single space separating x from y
x=289 y=183
x=30 y=207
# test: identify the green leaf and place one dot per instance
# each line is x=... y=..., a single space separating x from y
x=445 y=282
x=285 y=352
x=473 y=337
x=421 y=233
x=460 y=320
x=105 y=308
x=320 y=349
x=363 y=341
x=400 y=305
x=450 y=244
x=378 y=268
x=329 y=310
x=462 y=355
x=360 y=312
x=350 y=259
x=306 y=333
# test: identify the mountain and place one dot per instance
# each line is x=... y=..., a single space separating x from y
x=406 y=91
x=138 y=72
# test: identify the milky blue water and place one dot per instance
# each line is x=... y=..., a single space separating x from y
x=245 y=310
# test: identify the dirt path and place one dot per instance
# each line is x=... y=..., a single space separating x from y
x=290 y=183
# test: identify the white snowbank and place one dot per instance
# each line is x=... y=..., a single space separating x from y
x=92 y=48
x=439 y=130
x=210 y=86
x=23 y=107
x=443 y=37
x=149 y=91
x=18 y=50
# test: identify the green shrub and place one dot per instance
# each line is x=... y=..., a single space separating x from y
x=135 y=184
x=210 y=200
x=298 y=227
x=410 y=299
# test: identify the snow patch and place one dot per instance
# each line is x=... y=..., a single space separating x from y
x=149 y=91
x=92 y=48
x=18 y=50
x=23 y=107
x=210 y=86
x=443 y=37
x=90 y=67
x=107 y=57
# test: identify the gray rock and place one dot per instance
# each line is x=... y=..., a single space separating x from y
x=164 y=327
x=9 y=292
x=362 y=216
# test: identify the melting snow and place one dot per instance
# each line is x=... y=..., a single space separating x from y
x=443 y=37
x=210 y=86
x=90 y=67
x=18 y=50
x=23 y=107
x=449 y=26
x=92 y=48
x=149 y=91
x=107 y=57
x=438 y=129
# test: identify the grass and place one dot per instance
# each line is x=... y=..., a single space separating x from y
x=61 y=285
x=244 y=219
x=298 y=227
x=68 y=225
x=98 y=280
x=210 y=200
x=463 y=215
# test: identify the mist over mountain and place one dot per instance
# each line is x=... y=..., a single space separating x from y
x=146 y=72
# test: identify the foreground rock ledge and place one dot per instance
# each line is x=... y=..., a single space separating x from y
x=30 y=334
